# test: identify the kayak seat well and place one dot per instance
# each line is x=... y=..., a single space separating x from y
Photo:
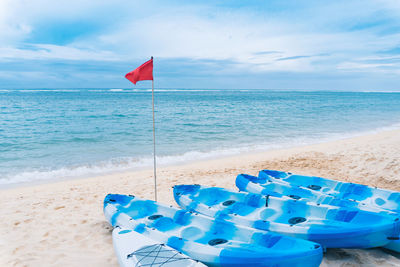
x=341 y=215
x=191 y=233
x=165 y=224
x=241 y=209
x=379 y=201
x=267 y=213
x=217 y=196
x=267 y=240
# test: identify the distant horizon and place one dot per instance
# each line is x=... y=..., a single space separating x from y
x=342 y=45
x=145 y=89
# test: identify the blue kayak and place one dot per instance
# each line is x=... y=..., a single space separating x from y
x=214 y=242
x=266 y=185
x=332 y=227
x=370 y=196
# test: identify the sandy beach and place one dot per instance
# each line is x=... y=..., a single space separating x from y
x=62 y=223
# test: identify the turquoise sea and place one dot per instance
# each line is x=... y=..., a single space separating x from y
x=52 y=134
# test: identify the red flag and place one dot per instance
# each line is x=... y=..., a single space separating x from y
x=142 y=73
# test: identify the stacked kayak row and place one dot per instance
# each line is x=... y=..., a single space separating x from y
x=318 y=190
x=332 y=227
x=321 y=190
x=280 y=220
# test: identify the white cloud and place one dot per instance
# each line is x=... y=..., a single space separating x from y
x=363 y=66
x=183 y=30
x=19 y=17
x=233 y=36
x=391 y=5
x=47 y=51
x=381 y=64
x=11 y=29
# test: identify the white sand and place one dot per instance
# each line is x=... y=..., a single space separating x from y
x=62 y=224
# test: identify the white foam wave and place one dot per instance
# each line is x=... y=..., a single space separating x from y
x=188 y=90
x=121 y=165
x=48 y=90
x=114 y=165
x=390 y=92
x=180 y=90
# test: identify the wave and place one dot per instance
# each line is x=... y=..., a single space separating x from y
x=184 y=90
x=112 y=166
x=48 y=90
x=390 y=92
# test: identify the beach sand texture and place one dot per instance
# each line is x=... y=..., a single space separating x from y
x=62 y=223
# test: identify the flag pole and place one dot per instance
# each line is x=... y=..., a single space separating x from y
x=144 y=73
x=154 y=140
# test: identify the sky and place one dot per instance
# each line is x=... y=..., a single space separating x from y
x=346 y=45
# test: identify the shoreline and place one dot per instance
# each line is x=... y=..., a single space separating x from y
x=62 y=223
x=204 y=156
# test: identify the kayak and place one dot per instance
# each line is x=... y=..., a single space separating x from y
x=213 y=242
x=266 y=185
x=370 y=196
x=134 y=249
x=332 y=227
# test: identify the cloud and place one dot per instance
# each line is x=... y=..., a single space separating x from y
x=11 y=29
x=225 y=38
x=248 y=37
x=48 y=51
x=381 y=64
x=292 y=58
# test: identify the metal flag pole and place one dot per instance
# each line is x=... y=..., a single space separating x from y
x=154 y=141
x=144 y=73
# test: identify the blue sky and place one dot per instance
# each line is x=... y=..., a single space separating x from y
x=292 y=45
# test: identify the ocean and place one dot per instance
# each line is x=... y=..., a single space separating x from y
x=54 y=134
